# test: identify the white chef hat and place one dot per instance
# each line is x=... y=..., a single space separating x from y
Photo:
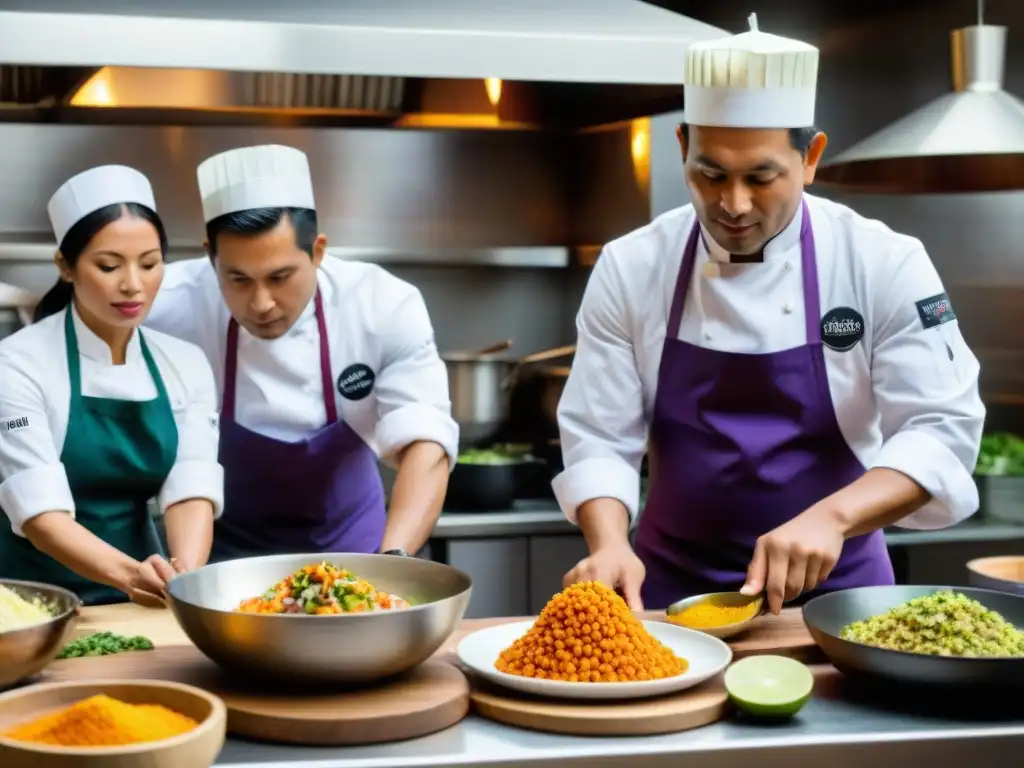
x=268 y=176
x=751 y=80
x=96 y=188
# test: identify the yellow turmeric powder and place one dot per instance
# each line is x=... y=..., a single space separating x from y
x=707 y=615
x=101 y=721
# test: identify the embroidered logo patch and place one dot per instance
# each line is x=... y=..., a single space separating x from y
x=9 y=425
x=356 y=382
x=842 y=328
x=935 y=310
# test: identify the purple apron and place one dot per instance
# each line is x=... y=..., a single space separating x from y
x=740 y=444
x=321 y=494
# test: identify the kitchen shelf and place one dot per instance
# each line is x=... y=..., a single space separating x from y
x=34 y=250
x=536 y=256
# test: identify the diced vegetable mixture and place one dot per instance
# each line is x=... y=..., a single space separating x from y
x=944 y=623
x=322 y=589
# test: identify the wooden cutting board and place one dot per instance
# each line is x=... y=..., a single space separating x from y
x=784 y=635
x=434 y=696
x=692 y=708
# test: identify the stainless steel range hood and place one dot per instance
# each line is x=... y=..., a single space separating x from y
x=971 y=140
x=226 y=54
x=590 y=41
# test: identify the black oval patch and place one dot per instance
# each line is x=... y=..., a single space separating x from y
x=356 y=382
x=842 y=328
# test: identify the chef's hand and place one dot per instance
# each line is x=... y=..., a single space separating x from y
x=616 y=566
x=149 y=581
x=795 y=557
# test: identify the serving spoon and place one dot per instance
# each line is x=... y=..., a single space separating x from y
x=725 y=600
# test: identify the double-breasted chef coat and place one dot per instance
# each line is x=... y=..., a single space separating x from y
x=376 y=383
x=897 y=375
x=98 y=441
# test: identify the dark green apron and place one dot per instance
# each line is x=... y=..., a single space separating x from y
x=117 y=454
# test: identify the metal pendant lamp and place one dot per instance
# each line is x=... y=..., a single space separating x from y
x=970 y=140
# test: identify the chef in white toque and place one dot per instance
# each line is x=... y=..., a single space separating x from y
x=795 y=371
x=323 y=366
x=97 y=417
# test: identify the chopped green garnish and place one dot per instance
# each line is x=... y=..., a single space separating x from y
x=104 y=644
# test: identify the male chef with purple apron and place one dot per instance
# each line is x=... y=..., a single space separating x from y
x=324 y=366
x=795 y=372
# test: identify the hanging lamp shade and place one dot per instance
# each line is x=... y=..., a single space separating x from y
x=970 y=140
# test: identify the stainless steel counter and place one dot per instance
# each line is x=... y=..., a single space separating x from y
x=836 y=729
x=543 y=518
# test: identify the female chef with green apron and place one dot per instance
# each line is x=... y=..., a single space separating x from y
x=98 y=418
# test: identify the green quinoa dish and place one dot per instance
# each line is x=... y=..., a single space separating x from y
x=945 y=623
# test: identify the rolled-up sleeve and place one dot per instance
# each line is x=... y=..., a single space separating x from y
x=33 y=478
x=600 y=416
x=196 y=473
x=413 y=403
x=925 y=381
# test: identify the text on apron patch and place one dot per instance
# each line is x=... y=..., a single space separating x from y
x=9 y=425
x=842 y=328
x=356 y=382
x=935 y=310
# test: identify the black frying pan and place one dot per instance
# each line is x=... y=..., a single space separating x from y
x=825 y=617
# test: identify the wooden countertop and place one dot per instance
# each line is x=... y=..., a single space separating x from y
x=159 y=625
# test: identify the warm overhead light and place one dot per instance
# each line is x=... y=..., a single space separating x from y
x=640 y=150
x=94 y=92
x=493 y=86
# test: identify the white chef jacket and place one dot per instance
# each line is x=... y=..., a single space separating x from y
x=35 y=398
x=373 y=319
x=906 y=396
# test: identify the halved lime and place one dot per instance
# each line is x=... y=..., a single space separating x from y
x=769 y=686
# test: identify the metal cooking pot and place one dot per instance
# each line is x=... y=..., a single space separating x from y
x=478 y=388
x=480 y=384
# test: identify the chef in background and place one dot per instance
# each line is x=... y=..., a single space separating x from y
x=795 y=371
x=323 y=366
x=97 y=417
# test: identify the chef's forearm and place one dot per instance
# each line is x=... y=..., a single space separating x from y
x=76 y=548
x=189 y=526
x=604 y=523
x=416 y=496
x=879 y=498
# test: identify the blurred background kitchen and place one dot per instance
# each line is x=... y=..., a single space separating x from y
x=494 y=196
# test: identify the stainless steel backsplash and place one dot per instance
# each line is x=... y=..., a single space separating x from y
x=374 y=188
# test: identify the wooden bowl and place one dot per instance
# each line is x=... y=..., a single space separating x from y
x=1003 y=574
x=198 y=748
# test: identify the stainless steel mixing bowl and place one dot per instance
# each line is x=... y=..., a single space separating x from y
x=825 y=617
x=26 y=652
x=296 y=648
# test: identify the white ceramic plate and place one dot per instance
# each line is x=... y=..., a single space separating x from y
x=707 y=656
